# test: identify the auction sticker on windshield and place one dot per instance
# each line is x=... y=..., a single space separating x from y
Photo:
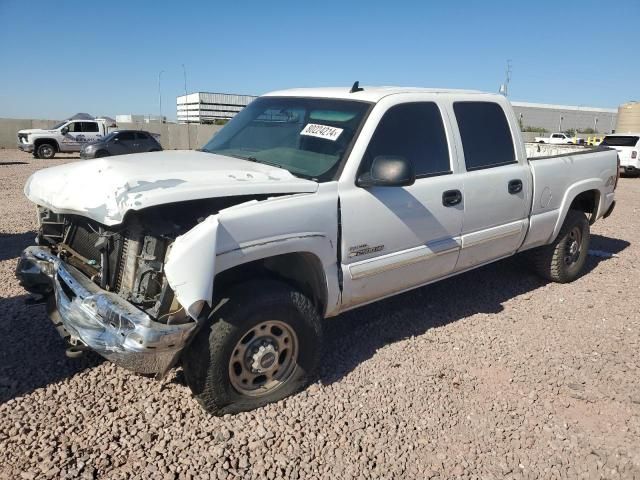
x=321 y=131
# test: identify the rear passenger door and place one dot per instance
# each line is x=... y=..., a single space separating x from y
x=142 y=142
x=497 y=188
x=90 y=132
x=395 y=238
x=122 y=144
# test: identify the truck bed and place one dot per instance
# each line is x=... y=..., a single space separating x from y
x=556 y=181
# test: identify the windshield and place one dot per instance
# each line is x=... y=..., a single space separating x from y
x=620 y=141
x=307 y=136
x=109 y=137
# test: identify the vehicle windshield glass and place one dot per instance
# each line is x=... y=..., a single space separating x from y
x=620 y=141
x=307 y=136
x=109 y=137
x=58 y=125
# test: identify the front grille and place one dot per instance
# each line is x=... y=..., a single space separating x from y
x=82 y=238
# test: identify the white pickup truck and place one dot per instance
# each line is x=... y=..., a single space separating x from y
x=67 y=136
x=628 y=147
x=556 y=138
x=310 y=202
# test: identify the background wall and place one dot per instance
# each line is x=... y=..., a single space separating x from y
x=172 y=136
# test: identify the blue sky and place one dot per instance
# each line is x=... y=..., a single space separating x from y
x=62 y=57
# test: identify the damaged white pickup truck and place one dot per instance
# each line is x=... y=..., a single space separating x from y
x=308 y=203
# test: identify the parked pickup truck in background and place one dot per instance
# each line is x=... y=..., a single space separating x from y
x=67 y=137
x=556 y=138
x=309 y=203
x=628 y=147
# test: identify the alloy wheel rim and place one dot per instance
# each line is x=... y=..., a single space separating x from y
x=264 y=358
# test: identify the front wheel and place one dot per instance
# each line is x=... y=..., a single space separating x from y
x=46 y=151
x=262 y=345
x=563 y=260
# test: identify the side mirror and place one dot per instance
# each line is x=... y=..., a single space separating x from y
x=388 y=171
x=64 y=130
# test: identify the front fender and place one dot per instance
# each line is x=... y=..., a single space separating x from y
x=190 y=266
x=253 y=231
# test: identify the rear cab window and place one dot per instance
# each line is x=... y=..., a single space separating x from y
x=416 y=132
x=89 y=127
x=486 y=137
x=620 y=141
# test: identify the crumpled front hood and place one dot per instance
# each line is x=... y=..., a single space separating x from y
x=106 y=188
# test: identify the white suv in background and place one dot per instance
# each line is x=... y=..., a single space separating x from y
x=628 y=148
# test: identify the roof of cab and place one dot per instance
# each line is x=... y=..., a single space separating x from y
x=367 y=94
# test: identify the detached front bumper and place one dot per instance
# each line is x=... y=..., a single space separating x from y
x=102 y=320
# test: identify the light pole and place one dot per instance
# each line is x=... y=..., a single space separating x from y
x=560 y=124
x=184 y=71
x=160 y=93
x=595 y=125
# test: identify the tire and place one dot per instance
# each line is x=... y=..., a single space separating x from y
x=226 y=352
x=560 y=261
x=35 y=153
x=46 y=151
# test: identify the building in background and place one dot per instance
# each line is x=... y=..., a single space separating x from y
x=628 y=118
x=131 y=118
x=560 y=118
x=205 y=107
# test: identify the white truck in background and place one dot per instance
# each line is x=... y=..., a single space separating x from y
x=308 y=203
x=67 y=136
x=556 y=138
x=628 y=147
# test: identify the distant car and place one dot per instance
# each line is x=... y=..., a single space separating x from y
x=556 y=138
x=628 y=147
x=121 y=142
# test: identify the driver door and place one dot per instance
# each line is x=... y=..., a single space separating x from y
x=396 y=238
x=74 y=136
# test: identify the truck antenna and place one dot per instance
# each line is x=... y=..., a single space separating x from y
x=356 y=87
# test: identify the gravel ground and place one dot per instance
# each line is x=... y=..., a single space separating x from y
x=492 y=374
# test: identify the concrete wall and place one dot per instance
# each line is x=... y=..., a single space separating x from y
x=572 y=118
x=172 y=136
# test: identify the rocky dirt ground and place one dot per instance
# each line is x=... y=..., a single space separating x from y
x=492 y=374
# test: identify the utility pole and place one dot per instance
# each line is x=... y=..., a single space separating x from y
x=160 y=94
x=504 y=88
x=184 y=71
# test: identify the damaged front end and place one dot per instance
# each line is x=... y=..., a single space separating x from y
x=106 y=286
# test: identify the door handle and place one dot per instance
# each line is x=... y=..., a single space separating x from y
x=451 y=198
x=515 y=186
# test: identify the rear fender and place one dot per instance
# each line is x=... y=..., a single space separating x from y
x=570 y=195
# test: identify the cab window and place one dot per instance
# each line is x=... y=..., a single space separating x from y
x=485 y=133
x=416 y=132
x=89 y=127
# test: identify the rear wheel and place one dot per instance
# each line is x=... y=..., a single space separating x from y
x=262 y=345
x=46 y=151
x=563 y=260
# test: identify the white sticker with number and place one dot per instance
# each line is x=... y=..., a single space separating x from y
x=321 y=131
